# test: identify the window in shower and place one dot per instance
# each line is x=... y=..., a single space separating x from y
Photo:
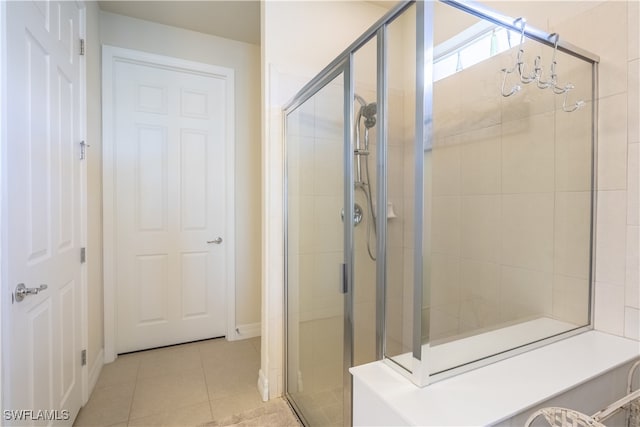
x=476 y=44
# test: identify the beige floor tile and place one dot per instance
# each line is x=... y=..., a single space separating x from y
x=169 y=361
x=193 y=415
x=123 y=370
x=228 y=406
x=223 y=381
x=155 y=395
x=256 y=342
x=196 y=384
x=107 y=406
x=231 y=353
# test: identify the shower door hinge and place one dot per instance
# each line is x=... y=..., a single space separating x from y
x=83 y=255
x=83 y=357
x=82 y=48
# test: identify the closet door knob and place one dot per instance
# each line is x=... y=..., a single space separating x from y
x=216 y=241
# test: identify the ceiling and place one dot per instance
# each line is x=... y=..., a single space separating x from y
x=236 y=20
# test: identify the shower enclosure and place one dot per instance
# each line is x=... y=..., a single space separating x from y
x=439 y=201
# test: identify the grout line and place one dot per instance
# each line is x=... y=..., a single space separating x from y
x=206 y=385
x=133 y=394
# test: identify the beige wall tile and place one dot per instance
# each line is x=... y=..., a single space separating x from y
x=481 y=99
x=571 y=299
x=329 y=114
x=406 y=217
x=445 y=280
x=633 y=185
x=528 y=155
x=633 y=25
x=612 y=143
x=573 y=150
x=572 y=234
x=633 y=101
x=328 y=167
x=527 y=231
x=606 y=36
x=305 y=171
x=328 y=223
x=611 y=233
x=480 y=294
x=447 y=107
x=445 y=322
x=479 y=280
x=480 y=227
x=445 y=226
x=327 y=298
x=525 y=293
x=396 y=165
x=446 y=169
x=632 y=323
x=480 y=161
x=609 y=308
x=632 y=280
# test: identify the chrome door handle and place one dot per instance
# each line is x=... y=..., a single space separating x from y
x=22 y=291
x=217 y=241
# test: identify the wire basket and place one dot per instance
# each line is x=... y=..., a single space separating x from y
x=563 y=417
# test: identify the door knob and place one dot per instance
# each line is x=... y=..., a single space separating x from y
x=216 y=241
x=22 y=291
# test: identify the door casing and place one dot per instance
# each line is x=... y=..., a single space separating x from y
x=109 y=55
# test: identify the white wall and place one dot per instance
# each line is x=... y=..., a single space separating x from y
x=121 y=31
x=94 y=192
x=298 y=40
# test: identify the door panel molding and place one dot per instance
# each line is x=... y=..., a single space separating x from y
x=64 y=304
x=110 y=56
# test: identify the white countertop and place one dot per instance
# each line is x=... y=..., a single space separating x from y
x=503 y=389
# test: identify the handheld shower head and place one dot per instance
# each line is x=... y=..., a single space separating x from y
x=369 y=112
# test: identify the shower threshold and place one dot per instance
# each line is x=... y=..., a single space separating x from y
x=458 y=352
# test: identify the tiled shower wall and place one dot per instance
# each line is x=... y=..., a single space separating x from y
x=613 y=34
x=510 y=199
x=466 y=164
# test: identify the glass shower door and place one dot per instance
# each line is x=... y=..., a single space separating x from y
x=315 y=256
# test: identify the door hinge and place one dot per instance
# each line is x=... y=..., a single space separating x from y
x=82 y=48
x=83 y=150
x=83 y=255
x=83 y=357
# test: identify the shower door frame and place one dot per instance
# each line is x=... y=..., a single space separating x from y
x=343 y=67
x=419 y=371
x=344 y=64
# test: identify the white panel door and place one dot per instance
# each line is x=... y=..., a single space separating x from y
x=170 y=181
x=43 y=178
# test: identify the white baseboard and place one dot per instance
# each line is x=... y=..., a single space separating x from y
x=263 y=386
x=250 y=330
x=94 y=372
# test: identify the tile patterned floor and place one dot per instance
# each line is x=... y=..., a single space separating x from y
x=208 y=383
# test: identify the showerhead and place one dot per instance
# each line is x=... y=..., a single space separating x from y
x=369 y=112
